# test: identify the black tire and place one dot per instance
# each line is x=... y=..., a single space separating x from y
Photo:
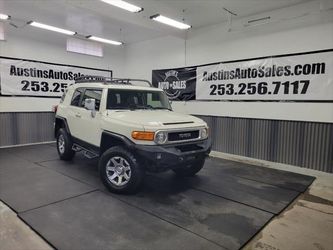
x=118 y=163
x=64 y=150
x=191 y=169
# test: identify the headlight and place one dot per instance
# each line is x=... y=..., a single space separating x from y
x=161 y=137
x=204 y=133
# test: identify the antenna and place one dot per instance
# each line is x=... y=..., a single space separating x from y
x=185 y=40
x=230 y=15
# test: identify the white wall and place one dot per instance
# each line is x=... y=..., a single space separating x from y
x=296 y=29
x=286 y=34
x=46 y=46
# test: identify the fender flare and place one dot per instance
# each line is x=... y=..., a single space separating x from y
x=64 y=121
x=113 y=139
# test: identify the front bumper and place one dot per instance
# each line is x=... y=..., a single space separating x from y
x=172 y=155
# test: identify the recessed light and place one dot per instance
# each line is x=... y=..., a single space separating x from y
x=171 y=22
x=4 y=17
x=124 y=5
x=51 y=28
x=103 y=40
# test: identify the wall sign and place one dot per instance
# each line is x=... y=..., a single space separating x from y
x=305 y=76
x=178 y=84
x=30 y=78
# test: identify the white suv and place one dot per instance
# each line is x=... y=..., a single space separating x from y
x=131 y=128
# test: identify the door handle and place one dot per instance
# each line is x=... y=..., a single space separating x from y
x=78 y=115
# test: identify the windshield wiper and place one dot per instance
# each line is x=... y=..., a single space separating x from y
x=162 y=108
x=118 y=107
x=134 y=107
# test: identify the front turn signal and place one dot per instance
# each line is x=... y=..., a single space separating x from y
x=141 y=135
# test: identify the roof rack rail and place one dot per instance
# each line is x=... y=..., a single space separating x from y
x=128 y=81
x=109 y=80
x=90 y=78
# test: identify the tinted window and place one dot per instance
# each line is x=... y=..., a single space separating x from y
x=76 y=97
x=154 y=100
x=137 y=99
x=92 y=94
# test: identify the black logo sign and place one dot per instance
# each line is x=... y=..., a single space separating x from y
x=178 y=84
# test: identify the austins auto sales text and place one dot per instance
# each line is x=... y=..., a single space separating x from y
x=274 y=87
x=44 y=85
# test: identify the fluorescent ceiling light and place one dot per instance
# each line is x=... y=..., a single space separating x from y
x=4 y=17
x=171 y=22
x=124 y=5
x=259 y=19
x=102 y=40
x=52 y=28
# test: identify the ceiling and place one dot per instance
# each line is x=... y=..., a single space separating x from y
x=93 y=17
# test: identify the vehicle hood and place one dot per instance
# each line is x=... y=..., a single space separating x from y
x=156 y=118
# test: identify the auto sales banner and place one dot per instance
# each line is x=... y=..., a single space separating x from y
x=29 y=78
x=178 y=84
x=307 y=76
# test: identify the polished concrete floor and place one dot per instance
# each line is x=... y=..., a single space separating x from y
x=224 y=207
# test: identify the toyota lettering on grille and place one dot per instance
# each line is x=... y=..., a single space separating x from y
x=185 y=135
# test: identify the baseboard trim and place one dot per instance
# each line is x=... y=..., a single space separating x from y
x=269 y=164
x=27 y=144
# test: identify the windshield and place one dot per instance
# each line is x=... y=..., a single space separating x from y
x=137 y=99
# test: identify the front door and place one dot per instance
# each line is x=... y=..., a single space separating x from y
x=75 y=113
x=90 y=130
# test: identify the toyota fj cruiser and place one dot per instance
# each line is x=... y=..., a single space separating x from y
x=131 y=128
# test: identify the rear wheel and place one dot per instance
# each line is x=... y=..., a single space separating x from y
x=64 y=145
x=190 y=169
x=120 y=170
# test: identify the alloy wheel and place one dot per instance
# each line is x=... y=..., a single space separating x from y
x=118 y=171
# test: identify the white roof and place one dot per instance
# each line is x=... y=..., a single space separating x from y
x=113 y=86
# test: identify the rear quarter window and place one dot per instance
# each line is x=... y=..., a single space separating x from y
x=63 y=96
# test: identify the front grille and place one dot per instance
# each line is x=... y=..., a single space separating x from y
x=183 y=136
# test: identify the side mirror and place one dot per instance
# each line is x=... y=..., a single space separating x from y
x=89 y=104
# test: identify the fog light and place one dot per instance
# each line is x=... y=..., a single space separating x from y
x=158 y=156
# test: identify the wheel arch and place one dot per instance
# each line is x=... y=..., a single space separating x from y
x=110 y=139
x=59 y=123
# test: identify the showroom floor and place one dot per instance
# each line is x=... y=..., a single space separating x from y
x=224 y=207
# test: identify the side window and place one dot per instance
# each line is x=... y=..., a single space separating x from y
x=76 y=97
x=92 y=94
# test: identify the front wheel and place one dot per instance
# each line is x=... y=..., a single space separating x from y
x=191 y=169
x=120 y=171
